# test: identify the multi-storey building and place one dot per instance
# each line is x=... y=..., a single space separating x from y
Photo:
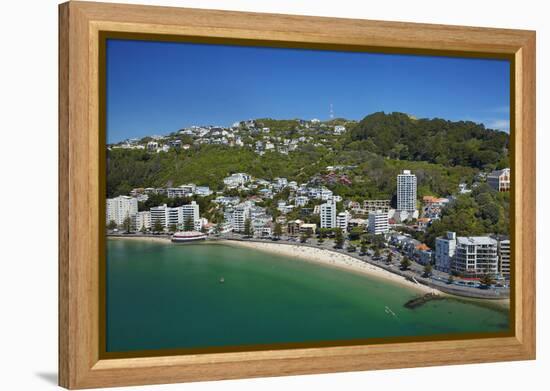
x=342 y=220
x=374 y=205
x=239 y=216
x=444 y=251
x=475 y=256
x=406 y=191
x=166 y=216
x=141 y=220
x=327 y=213
x=499 y=180
x=169 y=217
x=293 y=227
x=120 y=208
x=378 y=222
x=504 y=258
x=190 y=212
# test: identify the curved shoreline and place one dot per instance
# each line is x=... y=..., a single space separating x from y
x=318 y=256
x=327 y=258
x=333 y=259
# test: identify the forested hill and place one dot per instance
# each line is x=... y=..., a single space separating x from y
x=370 y=153
x=461 y=143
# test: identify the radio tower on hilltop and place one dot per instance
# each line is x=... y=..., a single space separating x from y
x=331 y=113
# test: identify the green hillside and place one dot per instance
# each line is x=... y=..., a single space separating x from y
x=441 y=153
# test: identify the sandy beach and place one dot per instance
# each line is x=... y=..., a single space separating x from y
x=331 y=259
x=158 y=239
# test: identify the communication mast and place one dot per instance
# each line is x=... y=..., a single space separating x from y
x=331 y=113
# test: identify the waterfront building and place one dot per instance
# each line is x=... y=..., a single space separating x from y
x=342 y=220
x=475 y=256
x=327 y=213
x=141 y=220
x=120 y=208
x=499 y=180
x=177 y=216
x=262 y=228
x=504 y=258
x=378 y=222
x=444 y=251
x=191 y=211
x=406 y=191
x=166 y=216
x=293 y=227
x=422 y=254
x=239 y=216
x=308 y=229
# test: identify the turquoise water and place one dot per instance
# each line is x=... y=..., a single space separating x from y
x=164 y=296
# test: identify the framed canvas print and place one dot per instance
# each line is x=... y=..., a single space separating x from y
x=247 y=195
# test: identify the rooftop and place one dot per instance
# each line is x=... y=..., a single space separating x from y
x=476 y=240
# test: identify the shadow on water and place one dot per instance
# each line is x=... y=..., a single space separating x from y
x=48 y=377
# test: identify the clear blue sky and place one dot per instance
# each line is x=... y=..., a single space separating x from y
x=159 y=87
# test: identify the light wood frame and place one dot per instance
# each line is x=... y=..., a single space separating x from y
x=79 y=171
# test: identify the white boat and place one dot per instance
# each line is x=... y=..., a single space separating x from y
x=188 y=236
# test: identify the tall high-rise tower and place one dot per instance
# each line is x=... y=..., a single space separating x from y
x=406 y=191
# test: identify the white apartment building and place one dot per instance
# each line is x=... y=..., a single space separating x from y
x=167 y=216
x=328 y=215
x=504 y=258
x=141 y=220
x=240 y=214
x=444 y=251
x=499 y=180
x=120 y=208
x=177 y=216
x=475 y=256
x=191 y=211
x=378 y=222
x=406 y=191
x=342 y=220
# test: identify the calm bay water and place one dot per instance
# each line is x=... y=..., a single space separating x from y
x=163 y=296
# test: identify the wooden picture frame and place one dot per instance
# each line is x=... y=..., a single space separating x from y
x=81 y=150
